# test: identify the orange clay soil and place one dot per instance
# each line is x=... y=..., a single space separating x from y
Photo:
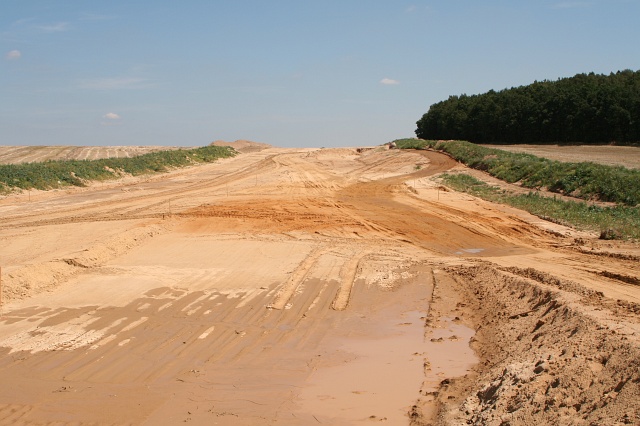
x=307 y=286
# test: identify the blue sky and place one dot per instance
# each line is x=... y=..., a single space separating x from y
x=291 y=73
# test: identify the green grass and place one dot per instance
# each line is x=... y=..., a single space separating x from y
x=59 y=173
x=619 y=222
x=588 y=181
x=411 y=143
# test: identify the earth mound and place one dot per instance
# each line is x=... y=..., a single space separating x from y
x=241 y=145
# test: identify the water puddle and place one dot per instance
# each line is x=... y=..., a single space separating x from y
x=470 y=250
x=448 y=353
x=386 y=376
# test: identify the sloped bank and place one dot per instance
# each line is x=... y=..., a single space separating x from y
x=32 y=279
x=552 y=352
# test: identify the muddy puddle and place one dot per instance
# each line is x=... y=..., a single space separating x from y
x=385 y=375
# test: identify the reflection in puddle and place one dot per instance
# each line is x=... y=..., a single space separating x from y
x=385 y=378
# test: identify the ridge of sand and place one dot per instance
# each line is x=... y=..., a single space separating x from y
x=242 y=145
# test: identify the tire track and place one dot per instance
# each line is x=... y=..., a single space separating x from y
x=348 y=276
x=128 y=207
x=296 y=278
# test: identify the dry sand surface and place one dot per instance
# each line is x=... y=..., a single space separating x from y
x=611 y=155
x=309 y=286
x=29 y=154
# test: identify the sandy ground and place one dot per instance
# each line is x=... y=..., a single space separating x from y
x=29 y=154
x=308 y=286
x=612 y=155
x=16 y=154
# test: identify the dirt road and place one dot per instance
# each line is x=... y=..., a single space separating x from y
x=307 y=286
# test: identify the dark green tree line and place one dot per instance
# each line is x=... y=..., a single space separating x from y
x=586 y=108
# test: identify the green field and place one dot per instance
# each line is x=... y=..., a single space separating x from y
x=60 y=173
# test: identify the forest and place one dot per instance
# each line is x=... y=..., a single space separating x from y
x=586 y=108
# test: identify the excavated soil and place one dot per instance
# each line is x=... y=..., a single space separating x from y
x=309 y=286
x=611 y=155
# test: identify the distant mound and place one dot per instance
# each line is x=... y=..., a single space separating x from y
x=242 y=145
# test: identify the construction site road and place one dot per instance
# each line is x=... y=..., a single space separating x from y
x=309 y=286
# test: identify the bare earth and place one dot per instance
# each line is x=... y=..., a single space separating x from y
x=307 y=286
x=611 y=155
x=30 y=154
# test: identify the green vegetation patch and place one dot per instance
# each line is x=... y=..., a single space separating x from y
x=58 y=173
x=588 y=181
x=619 y=222
x=411 y=144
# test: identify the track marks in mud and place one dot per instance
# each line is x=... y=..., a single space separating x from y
x=199 y=323
x=14 y=414
x=296 y=278
x=348 y=277
x=283 y=215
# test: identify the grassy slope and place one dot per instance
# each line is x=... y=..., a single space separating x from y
x=612 y=222
x=587 y=180
x=58 y=173
x=583 y=180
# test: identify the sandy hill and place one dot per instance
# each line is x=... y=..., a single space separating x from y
x=242 y=145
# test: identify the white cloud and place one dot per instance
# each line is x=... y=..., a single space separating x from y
x=389 y=81
x=111 y=119
x=14 y=54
